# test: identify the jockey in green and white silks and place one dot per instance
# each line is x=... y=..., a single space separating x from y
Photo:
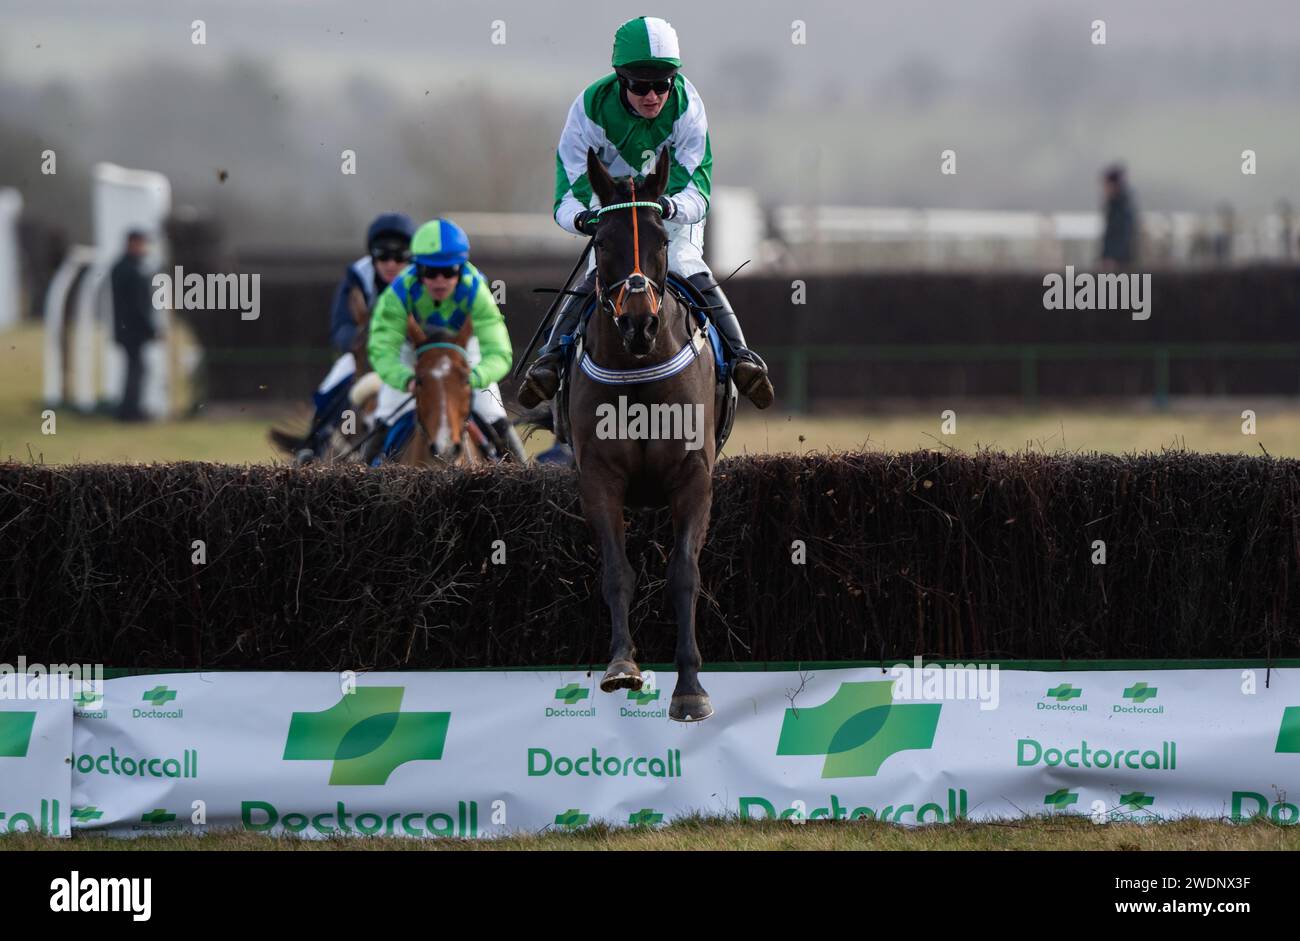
x=627 y=118
x=440 y=289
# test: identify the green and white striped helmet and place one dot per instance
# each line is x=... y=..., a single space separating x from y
x=646 y=42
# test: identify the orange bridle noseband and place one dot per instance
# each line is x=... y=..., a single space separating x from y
x=636 y=282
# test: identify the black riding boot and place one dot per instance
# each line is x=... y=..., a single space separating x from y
x=543 y=376
x=748 y=368
x=375 y=443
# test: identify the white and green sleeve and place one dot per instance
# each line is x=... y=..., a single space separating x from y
x=572 y=188
x=690 y=177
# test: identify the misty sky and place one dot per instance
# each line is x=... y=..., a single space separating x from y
x=858 y=115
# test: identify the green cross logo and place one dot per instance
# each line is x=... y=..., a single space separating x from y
x=1288 y=736
x=1140 y=692
x=159 y=696
x=1064 y=692
x=1137 y=800
x=645 y=817
x=157 y=816
x=572 y=694
x=15 y=733
x=1060 y=800
x=87 y=698
x=572 y=818
x=857 y=729
x=86 y=813
x=642 y=696
x=366 y=735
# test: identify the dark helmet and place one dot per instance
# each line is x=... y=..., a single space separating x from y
x=392 y=226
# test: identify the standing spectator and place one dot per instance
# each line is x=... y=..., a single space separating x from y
x=1286 y=217
x=1227 y=231
x=1119 y=241
x=132 y=320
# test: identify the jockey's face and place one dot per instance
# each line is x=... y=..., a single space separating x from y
x=439 y=287
x=388 y=270
x=649 y=105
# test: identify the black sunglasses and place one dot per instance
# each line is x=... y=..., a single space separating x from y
x=640 y=87
x=428 y=271
x=391 y=255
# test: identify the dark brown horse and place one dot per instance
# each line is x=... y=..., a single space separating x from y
x=637 y=331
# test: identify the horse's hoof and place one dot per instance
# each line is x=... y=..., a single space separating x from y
x=694 y=708
x=622 y=674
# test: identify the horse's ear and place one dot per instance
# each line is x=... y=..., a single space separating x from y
x=657 y=181
x=602 y=184
x=415 y=331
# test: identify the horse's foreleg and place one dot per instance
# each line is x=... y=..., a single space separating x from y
x=604 y=512
x=690 y=506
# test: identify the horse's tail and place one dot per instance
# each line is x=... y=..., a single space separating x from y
x=285 y=441
x=540 y=418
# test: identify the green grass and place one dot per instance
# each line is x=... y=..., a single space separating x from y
x=703 y=833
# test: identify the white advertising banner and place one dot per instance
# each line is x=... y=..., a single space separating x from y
x=479 y=754
x=35 y=740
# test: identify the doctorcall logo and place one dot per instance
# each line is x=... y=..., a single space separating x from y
x=761 y=808
x=186 y=766
x=37 y=681
x=341 y=820
x=1030 y=752
x=541 y=762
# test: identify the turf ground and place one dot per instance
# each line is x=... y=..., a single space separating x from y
x=1073 y=833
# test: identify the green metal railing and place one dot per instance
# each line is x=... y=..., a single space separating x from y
x=797 y=359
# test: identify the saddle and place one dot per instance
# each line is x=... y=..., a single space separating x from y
x=685 y=292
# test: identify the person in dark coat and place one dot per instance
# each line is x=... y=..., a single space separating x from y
x=132 y=320
x=1119 y=240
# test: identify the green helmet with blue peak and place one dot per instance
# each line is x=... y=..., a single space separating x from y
x=646 y=42
x=440 y=243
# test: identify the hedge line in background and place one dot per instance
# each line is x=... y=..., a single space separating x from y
x=926 y=553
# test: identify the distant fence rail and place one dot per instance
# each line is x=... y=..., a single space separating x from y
x=854 y=337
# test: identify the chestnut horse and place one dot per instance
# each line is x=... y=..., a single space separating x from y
x=443 y=431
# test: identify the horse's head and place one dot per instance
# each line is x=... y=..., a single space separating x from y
x=631 y=253
x=442 y=392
